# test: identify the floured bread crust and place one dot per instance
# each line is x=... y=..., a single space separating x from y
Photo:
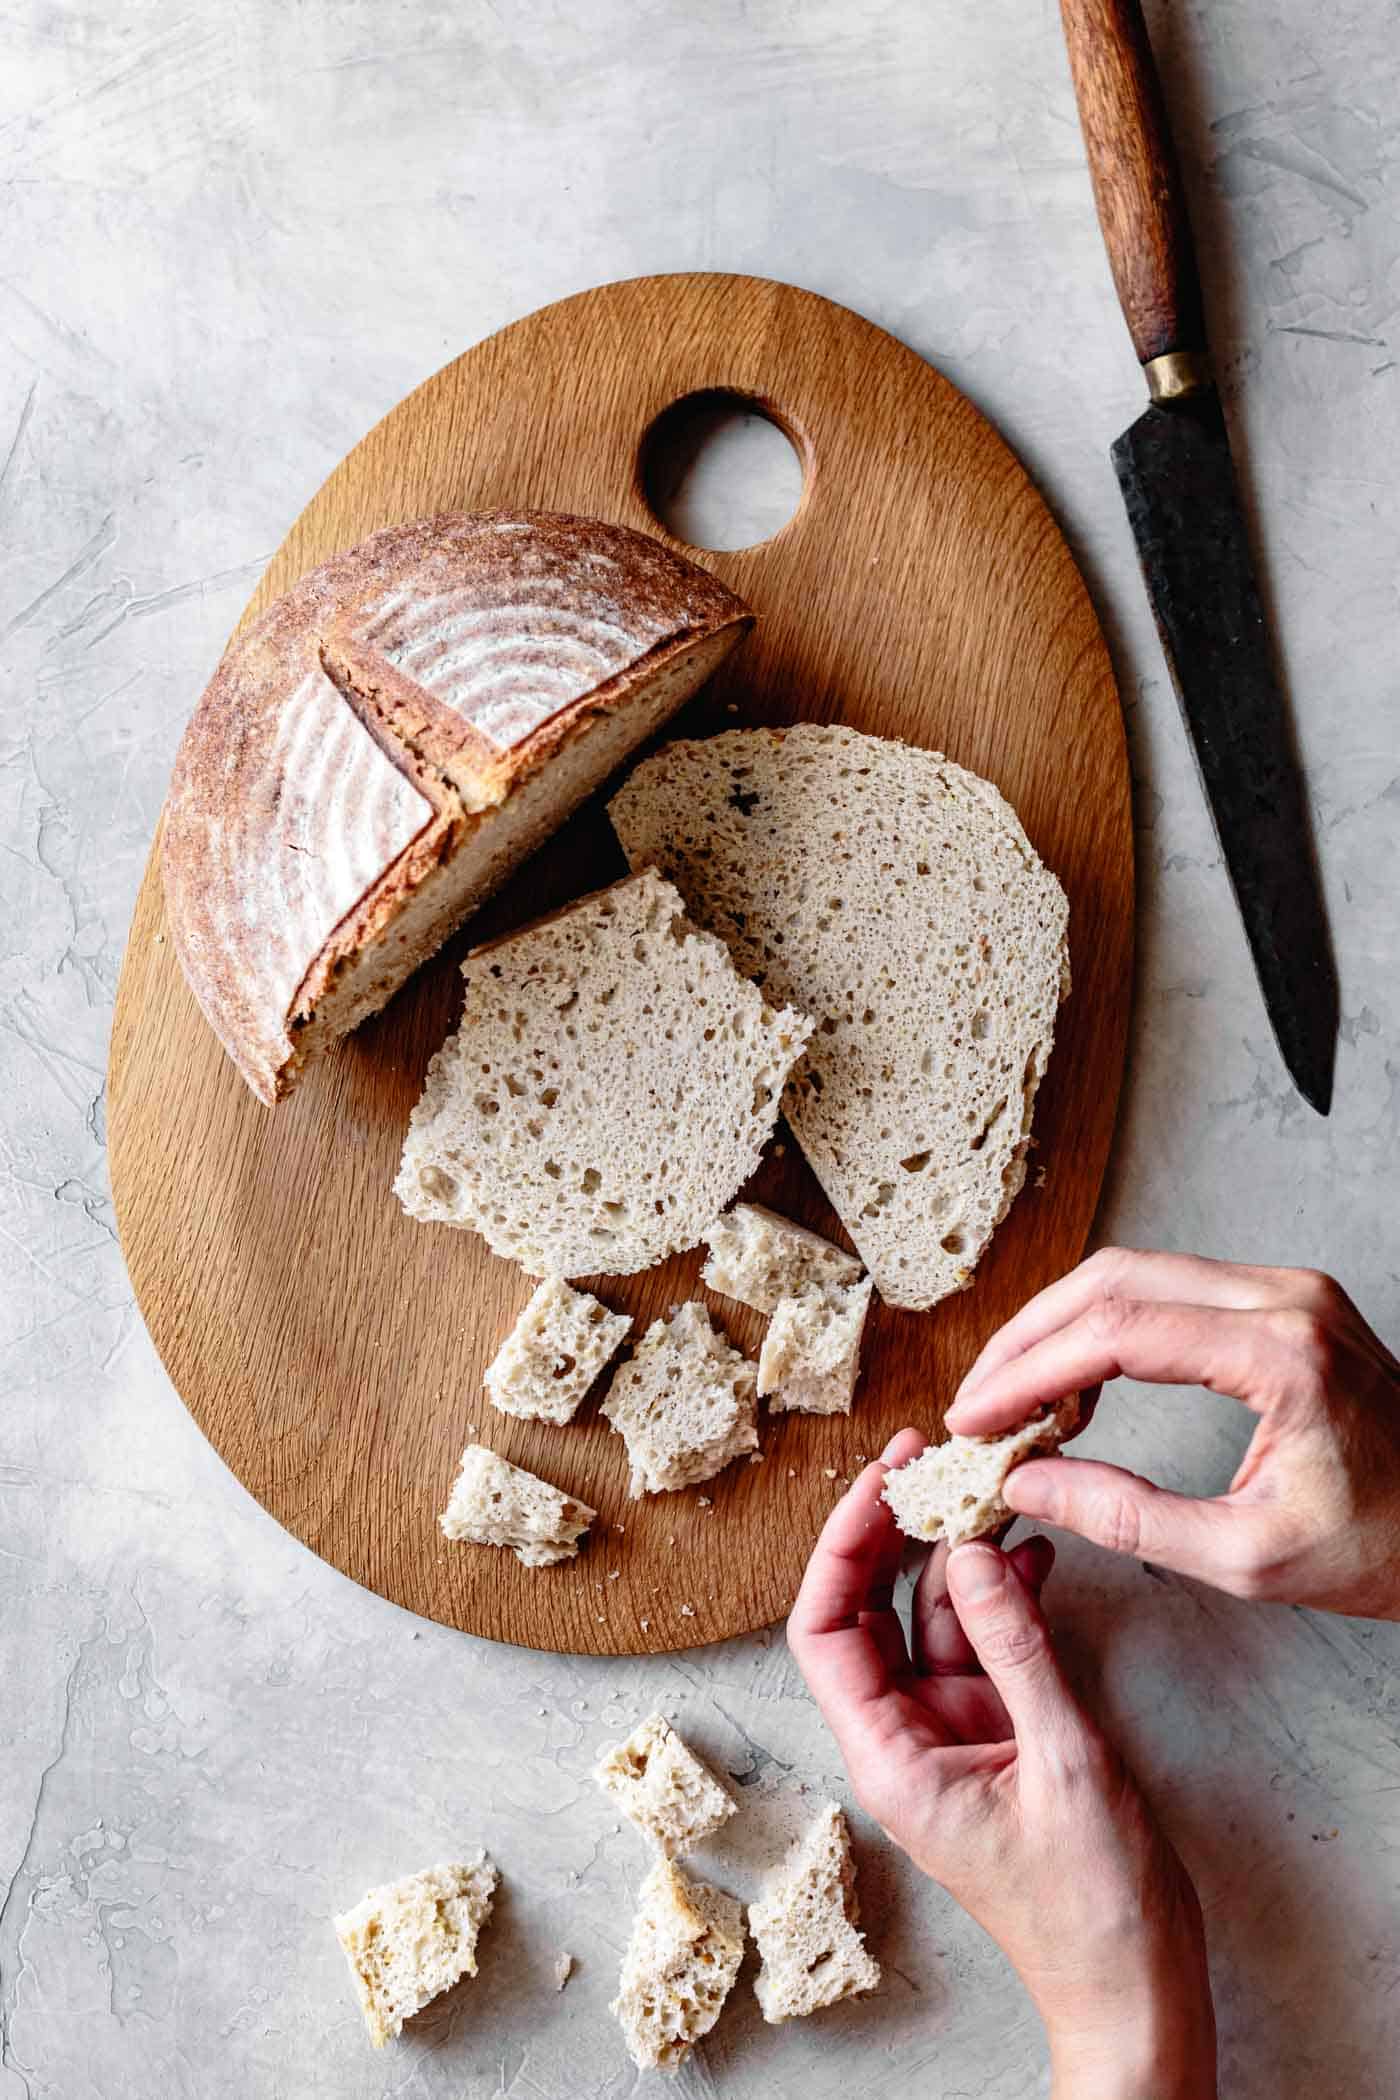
x=378 y=752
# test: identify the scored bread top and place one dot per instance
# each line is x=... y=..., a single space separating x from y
x=474 y=635
x=894 y=897
x=318 y=783
x=612 y=1083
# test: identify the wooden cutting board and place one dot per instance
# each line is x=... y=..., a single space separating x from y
x=331 y=1349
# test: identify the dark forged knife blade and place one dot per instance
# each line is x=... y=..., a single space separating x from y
x=1178 y=482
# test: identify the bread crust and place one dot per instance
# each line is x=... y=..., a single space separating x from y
x=261 y=934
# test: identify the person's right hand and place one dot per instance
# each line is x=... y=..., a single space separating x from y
x=1312 y=1515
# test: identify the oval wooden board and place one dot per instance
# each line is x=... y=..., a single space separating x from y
x=332 y=1350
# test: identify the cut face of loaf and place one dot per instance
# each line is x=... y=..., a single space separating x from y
x=413 y=1939
x=379 y=750
x=895 y=898
x=497 y=1504
x=681 y=1961
x=805 y=1926
x=685 y=1405
x=553 y=1354
x=612 y=1083
x=810 y=1359
x=758 y=1257
x=953 y=1490
x=657 y=1780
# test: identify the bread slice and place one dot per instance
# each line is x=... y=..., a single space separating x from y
x=681 y=1961
x=805 y=1926
x=553 y=1354
x=497 y=1504
x=810 y=1359
x=612 y=1083
x=668 y=1792
x=413 y=1939
x=758 y=1257
x=953 y=1490
x=379 y=750
x=896 y=898
x=684 y=1405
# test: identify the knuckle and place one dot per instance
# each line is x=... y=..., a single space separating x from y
x=1308 y=1338
x=1317 y=1292
x=1109 y=1264
x=1110 y=1316
x=1118 y=1524
x=1016 y=1646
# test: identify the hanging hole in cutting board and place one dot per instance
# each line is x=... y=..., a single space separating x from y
x=719 y=472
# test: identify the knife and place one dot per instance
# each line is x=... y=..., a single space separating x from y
x=1178 y=482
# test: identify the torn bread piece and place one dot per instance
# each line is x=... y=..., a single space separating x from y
x=681 y=1961
x=553 y=1354
x=685 y=1404
x=953 y=1490
x=810 y=1360
x=612 y=1083
x=805 y=1926
x=664 y=1788
x=410 y=1940
x=759 y=1258
x=497 y=1504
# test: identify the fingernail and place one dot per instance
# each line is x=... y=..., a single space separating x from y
x=980 y=1572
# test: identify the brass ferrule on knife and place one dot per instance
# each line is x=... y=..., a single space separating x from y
x=1176 y=374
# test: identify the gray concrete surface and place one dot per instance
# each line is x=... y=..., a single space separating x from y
x=234 y=236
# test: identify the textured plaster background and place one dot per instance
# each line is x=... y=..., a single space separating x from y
x=233 y=237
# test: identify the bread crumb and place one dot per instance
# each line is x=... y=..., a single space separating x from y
x=830 y=1472
x=645 y=1625
x=792 y=1472
x=705 y=1501
x=1039 y=1181
x=861 y=1459
x=613 y=1574
x=672 y=1540
x=687 y=1611
x=160 y=940
x=563 y=1970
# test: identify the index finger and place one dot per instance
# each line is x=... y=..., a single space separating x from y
x=1116 y=1272
x=1236 y=1353
x=856 y=1557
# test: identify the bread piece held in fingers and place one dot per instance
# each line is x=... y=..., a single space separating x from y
x=953 y=1490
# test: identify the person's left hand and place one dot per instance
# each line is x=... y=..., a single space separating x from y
x=973 y=1754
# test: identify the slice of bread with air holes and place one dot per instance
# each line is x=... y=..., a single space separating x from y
x=668 y=1792
x=895 y=897
x=553 y=1354
x=410 y=1940
x=805 y=1926
x=758 y=1257
x=681 y=1961
x=612 y=1083
x=497 y=1504
x=810 y=1360
x=685 y=1405
x=386 y=743
x=953 y=1490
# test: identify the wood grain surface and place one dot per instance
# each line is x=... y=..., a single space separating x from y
x=1137 y=181
x=330 y=1348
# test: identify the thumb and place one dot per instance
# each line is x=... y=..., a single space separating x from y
x=1214 y=1541
x=1003 y=1620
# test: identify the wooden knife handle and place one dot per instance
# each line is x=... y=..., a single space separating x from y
x=1136 y=178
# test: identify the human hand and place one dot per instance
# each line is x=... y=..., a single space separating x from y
x=973 y=1755
x=1312 y=1515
